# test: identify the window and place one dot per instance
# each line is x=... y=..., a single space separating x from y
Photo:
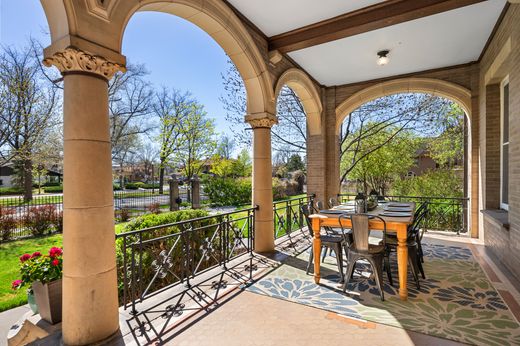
x=504 y=144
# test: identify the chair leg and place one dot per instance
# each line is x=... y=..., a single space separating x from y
x=339 y=261
x=421 y=269
x=309 y=264
x=350 y=272
x=421 y=254
x=388 y=269
x=412 y=258
x=325 y=254
x=377 y=267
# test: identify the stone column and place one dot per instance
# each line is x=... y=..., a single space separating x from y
x=195 y=192
x=90 y=304
x=262 y=180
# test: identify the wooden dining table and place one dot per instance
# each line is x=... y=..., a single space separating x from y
x=396 y=225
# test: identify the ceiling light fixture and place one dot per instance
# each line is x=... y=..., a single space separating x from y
x=383 y=58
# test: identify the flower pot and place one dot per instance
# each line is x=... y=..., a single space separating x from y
x=48 y=299
x=32 y=301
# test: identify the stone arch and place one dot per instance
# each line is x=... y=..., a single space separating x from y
x=437 y=87
x=303 y=86
x=98 y=27
x=454 y=92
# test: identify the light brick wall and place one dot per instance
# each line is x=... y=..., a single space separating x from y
x=503 y=243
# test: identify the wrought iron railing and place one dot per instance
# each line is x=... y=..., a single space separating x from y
x=288 y=216
x=444 y=213
x=157 y=258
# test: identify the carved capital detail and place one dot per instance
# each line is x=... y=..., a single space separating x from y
x=261 y=120
x=265 y=122
x=74 y=60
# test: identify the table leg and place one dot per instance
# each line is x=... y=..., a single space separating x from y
x=316 y=244
x=402 y=261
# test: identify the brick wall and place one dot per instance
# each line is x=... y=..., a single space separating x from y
x=503 y=243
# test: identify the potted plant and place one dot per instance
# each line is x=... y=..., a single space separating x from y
x=42 y=273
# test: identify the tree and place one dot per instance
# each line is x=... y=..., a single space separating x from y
x=295 y=163
x=243 y=166
x=226 y=146
x=222 y=167
x=402 y=112
x=196 y=141
x=147 y=157
x=393 y=160
x=171 y=108
x=130 y=99
x=447 y=149
x=124 y=150
x=289 y=136
x=29 y=105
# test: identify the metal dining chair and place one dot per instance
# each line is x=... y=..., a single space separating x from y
x=317 y=207
x=412 y=242
x=332 y=242
x=361 y=249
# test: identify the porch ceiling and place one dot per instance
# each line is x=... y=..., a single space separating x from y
x=433 y=41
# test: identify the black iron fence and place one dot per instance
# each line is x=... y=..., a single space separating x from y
x=288 y=216
x=43 y=214
x=444 y=213
x=39 y=216
x=155 y=259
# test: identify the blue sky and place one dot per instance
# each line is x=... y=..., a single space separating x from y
x=177 y=53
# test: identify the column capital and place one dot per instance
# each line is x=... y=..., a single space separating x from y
x=72 y=59
x=261 y=120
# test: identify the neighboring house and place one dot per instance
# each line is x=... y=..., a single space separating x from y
x=7 y=176
x=423 y=163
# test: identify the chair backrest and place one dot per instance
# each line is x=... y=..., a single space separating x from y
x=361 y=229
x=419 y=217
x=305 y=211
x=333 y=202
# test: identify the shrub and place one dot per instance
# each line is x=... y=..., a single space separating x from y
x=278 y=189
x=53 y=189
x=228 y=191
x=58 y=222
x=154 y=208
x=131 y=186
x=123 y=215
x=4 y=191
x=140 y=185
x=116 y=187
x=152 y=220
x=39 y=220
x=7 y=223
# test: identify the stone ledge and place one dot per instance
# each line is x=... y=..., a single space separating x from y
x=497 y=216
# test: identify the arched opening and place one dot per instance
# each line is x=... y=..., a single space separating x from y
x=224 y=27
x=304 y=118
x=371 y=100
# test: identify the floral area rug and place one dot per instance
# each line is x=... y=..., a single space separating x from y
x=456 y=300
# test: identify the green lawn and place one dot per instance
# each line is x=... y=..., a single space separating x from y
x=9 y=264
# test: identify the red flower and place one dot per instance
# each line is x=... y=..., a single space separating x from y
x=55 y=252
x=16 y=283
x=55 y=262
x=25 y=257
x=36 y=254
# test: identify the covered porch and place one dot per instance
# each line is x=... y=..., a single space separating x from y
x=312 y=56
